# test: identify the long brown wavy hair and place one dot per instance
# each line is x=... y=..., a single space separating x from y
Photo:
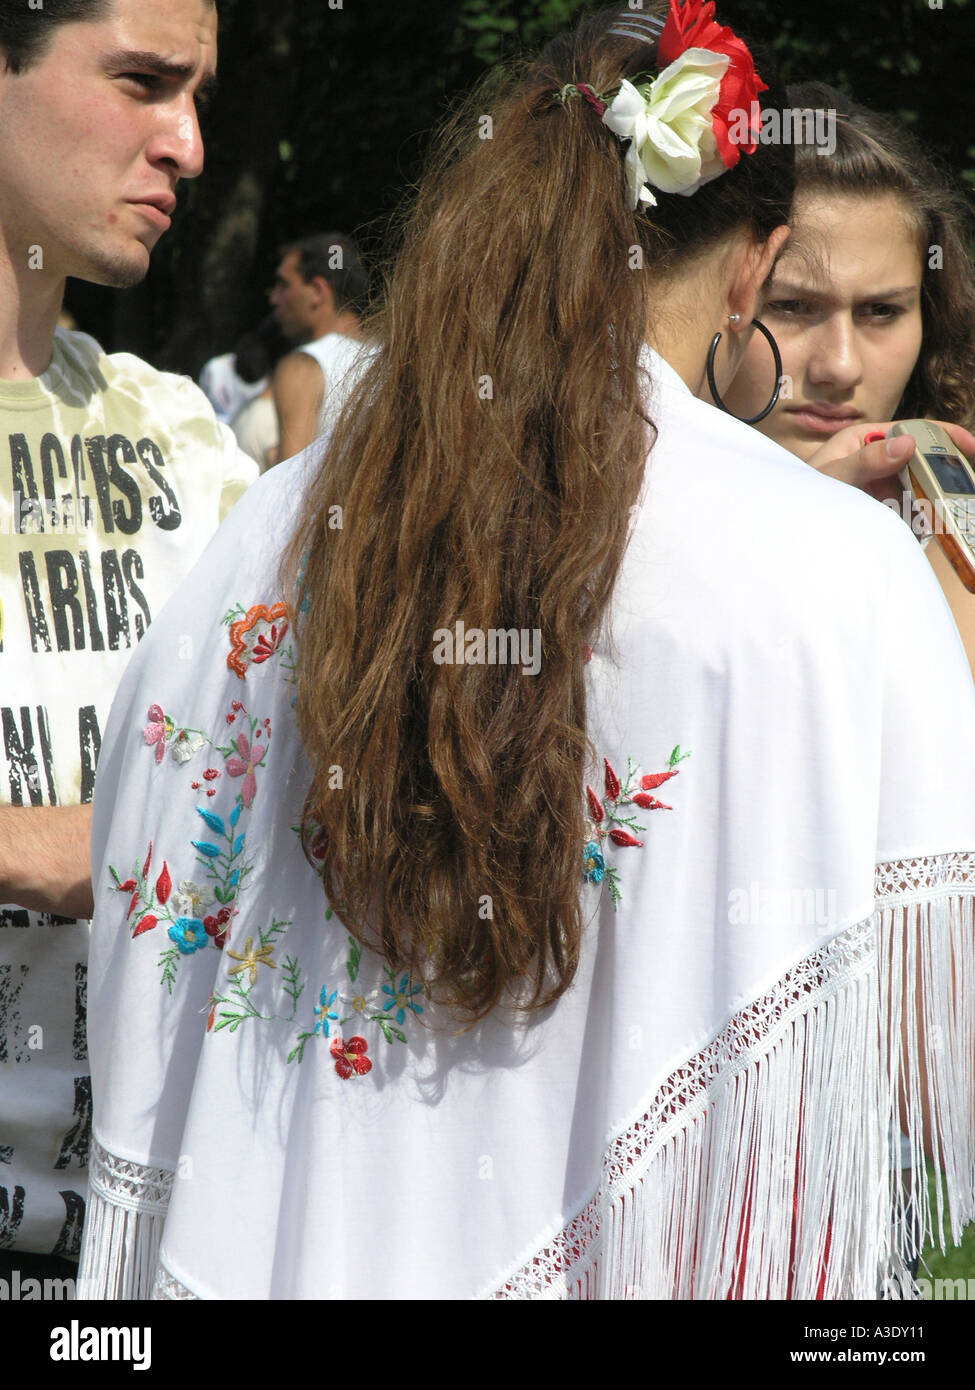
x=483 y=471
x=876 y=155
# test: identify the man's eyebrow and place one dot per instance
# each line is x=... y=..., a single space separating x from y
x=155 y=63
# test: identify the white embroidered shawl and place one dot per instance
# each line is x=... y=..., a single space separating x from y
x=787 y=716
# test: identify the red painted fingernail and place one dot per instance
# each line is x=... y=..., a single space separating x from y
x=874 y=437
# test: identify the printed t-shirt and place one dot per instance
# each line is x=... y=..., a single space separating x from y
x=113 y=478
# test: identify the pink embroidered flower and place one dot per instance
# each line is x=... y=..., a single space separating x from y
x=350 y=1057
x=251 y=757
x=157 y=731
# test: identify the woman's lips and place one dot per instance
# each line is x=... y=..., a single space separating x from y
x=820 y=422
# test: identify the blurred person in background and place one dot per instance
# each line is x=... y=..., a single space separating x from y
x=255 y=425
x=114 y=478
x=321 y=289
x=224 y=386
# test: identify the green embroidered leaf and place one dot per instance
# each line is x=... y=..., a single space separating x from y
x=169 y=960
x=677 y=757
x=299 y=1049
x=112 y=870
x=223 y=895
x=355 y=956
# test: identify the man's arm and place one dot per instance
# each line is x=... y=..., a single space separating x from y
x=45 y=858
x=298 y=387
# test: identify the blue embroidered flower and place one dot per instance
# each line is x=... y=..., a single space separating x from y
x=402 y=999
x=189 y=934
x=593 y=863
x=325 y=1002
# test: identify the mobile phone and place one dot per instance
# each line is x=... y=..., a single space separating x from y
x=943 y=484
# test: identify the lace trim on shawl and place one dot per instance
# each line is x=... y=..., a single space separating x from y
x=127 y=1184
x=168 y=1288
x=906 y=878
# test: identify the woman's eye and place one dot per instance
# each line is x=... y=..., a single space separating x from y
x=789 y=306
x=881 y=311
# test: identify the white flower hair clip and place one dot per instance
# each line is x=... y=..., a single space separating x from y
x=677 y=123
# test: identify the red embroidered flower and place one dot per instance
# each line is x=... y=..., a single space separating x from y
x=350 y=1057
x=692 y=25
x=268 y=643
x=218 y=927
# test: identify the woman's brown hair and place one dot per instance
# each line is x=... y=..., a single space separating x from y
x=874 y=156
x=483 y=472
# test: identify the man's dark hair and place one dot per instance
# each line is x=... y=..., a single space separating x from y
x=25 y=33
x=259 y=350
x=337 y=259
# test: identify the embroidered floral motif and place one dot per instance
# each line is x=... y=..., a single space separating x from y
x=192 y=899
x=236 y=1005
x=221 y=856
x=350 y=1055
x=251 y=757
x=402 y=998
x=162 y=729
x=189 y=934
x=610 y=820
x=253 y=957
x=255 y=636
x=593 y=863
x=184 y=911
x=322 y=1011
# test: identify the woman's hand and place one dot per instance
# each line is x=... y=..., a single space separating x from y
x=874 y=467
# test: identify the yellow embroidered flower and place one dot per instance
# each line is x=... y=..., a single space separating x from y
x=251 y=959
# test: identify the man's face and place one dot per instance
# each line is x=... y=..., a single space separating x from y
x=96 y=134
x=294 y=301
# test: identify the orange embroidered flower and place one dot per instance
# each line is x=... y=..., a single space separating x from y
x=255 y=636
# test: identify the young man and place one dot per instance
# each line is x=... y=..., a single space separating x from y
x=113 y=477
x=319 y=290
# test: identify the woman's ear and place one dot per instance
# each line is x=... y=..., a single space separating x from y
x=755 y=267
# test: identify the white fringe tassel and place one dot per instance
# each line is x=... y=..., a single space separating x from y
x=764 y=1168
x=126 y=1212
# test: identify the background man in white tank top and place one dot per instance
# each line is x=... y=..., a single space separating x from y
x=320 y=289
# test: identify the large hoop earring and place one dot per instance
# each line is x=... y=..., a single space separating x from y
x=713 y=385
